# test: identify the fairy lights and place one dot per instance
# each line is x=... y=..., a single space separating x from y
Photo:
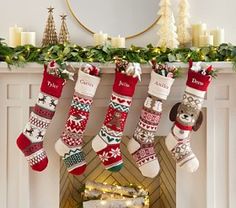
x=102 y=54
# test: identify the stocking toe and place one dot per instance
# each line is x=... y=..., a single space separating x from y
x=191 y=166
x=150 y=169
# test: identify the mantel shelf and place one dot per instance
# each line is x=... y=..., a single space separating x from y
x=223 y=67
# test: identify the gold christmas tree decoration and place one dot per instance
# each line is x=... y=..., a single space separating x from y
x=50 y=34
x=64 y=36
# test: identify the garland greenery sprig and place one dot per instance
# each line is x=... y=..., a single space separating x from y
x=62 y=53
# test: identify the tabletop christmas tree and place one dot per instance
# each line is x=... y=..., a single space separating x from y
x=184 y=36
x=50 y=34
x=64 y=36
x=167 y=31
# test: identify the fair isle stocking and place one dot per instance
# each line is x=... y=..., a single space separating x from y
x=107 y=142
x=30 y=141
x=187 y=116
x=69 y=146
x=141 y=145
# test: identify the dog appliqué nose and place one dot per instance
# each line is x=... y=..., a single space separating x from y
x=185 y=116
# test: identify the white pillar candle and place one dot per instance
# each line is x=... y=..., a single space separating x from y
x=197 y=31
x=100 y=38
x=205 y=40
x=118 y=42
x=28 y=38
x=15 y=36
x=218 y=36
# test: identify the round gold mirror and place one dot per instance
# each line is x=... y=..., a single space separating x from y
x=128 y=18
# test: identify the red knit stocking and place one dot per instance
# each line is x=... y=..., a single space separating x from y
x=30 y=141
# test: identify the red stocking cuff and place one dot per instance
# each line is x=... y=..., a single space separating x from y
x=198 y=81
x=52 y=85
x=124 y=84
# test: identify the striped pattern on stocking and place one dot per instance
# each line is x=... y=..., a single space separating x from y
x=30 y=141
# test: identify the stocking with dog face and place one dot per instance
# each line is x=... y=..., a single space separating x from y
x=187 y=116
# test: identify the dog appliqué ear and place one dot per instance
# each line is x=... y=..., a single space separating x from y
x=198 y=122
x=173 y=112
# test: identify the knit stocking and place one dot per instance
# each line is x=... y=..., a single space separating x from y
x=141 y=145
x=187 y=116
x=30 y=142
x=69 y=146
x=107 y=142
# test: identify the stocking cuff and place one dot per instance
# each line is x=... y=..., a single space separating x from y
x=52 y=85
x=124 y=84
x=198 y=81
x=86 y=84
x=160 y=86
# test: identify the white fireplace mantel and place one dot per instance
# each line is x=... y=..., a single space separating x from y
x=223 y=67
x=212 y=186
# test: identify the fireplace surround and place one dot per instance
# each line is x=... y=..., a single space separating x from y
x=212 y=186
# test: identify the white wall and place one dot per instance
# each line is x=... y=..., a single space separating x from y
x=32 y=14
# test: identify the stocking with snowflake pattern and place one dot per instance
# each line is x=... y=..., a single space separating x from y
x=69 y=146
x=107 y=142
x=141 y=145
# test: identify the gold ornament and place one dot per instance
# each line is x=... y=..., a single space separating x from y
x=50 y=34
x=64 y=36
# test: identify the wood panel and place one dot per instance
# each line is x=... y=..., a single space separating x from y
x=161 y=188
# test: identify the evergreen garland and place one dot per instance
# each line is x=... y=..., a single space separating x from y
x=62 y=53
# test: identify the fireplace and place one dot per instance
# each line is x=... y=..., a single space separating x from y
x=212 y=186
x=162 y=189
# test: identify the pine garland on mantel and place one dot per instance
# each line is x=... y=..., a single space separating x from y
x=104 y=54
